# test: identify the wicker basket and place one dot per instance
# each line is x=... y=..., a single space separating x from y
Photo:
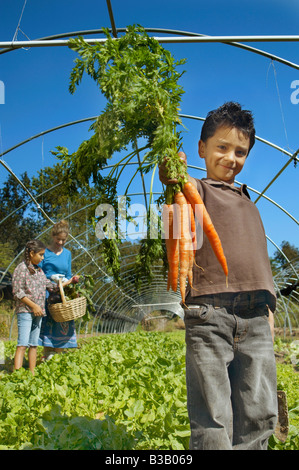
x=68 y=309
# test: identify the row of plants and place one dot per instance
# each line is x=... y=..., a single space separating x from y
x=115 y=392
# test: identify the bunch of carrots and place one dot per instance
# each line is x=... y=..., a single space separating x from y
x=180 y=236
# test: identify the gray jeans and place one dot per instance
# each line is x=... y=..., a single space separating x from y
x=230 y=372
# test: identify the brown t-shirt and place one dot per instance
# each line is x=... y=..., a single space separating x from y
x=240 y=229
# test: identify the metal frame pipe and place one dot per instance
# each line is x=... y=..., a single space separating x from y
x=161 y=40
x=166 y=31
x=132 y=300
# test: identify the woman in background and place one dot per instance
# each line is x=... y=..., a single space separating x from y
x=57 y=336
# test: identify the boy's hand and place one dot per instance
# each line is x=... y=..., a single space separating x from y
x=162 y=170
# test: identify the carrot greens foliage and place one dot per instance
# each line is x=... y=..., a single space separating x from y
x=139 y=79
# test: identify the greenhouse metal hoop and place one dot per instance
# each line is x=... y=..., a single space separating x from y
x=15 y=44
x=92 y=260
x=184 y=37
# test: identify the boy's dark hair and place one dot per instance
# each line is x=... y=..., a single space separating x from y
x=229 y=114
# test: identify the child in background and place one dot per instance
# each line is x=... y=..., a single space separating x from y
x=29 y=285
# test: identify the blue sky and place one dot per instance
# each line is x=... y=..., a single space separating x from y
x=37 y=97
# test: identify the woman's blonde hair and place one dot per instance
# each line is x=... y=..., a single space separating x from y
x=60 y=227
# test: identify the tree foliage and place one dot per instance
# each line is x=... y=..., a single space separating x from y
x=289 y=250
x=17 y=222
x=21 y=220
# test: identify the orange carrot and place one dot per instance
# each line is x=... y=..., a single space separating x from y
x=191 y=262
x=192 y=227
x=192 y=243
x=184 y=242
x=172 y=247
x=195 y=200
x=194 y=240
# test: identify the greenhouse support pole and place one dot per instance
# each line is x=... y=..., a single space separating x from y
x=165 y=40
x=111 y=18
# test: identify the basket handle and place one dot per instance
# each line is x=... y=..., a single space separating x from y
x=61 y=292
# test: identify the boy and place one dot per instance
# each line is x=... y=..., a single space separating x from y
x=230 y=364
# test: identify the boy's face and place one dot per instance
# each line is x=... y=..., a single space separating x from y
x=224 y=153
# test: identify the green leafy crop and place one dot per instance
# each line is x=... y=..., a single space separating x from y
x=116 y=392
x=123 y=391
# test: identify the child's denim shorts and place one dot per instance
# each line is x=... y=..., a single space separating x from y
x=28 y=329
